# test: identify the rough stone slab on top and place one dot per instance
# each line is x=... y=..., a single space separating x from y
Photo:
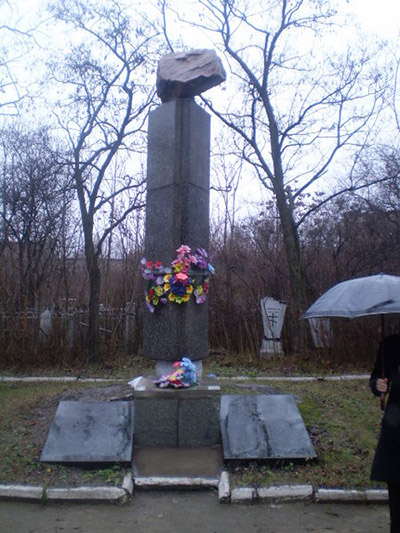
x=187 y=74
x=90 y=432
x=263 y=427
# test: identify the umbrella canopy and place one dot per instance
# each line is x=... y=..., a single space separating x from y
x=371 y=295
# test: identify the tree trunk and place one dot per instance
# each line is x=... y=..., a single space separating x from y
x=92 y=263
x=297 y=276
x=94 y=311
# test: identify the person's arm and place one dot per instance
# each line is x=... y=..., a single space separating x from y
x=376 y=382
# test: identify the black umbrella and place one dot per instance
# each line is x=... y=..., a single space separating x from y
x=371 y=295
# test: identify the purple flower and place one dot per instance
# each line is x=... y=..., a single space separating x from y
x=201 y=258
x=149 y=307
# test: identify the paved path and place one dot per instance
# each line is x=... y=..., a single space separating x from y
x=187 y=512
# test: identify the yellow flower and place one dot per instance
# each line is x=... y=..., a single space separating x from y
x=178 y=299
x=171 y=297
x=199 y=290
x=186 y=298
x=167 y=287
x=189 y=289
x=178 y=266
x=158 y=290
x=155 y=300
x=167 y=277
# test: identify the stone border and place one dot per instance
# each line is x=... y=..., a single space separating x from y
x=236 y=495
x=296 y=493
x=155 y=482
x=71 y=379
x=345 y=377
x=226 y=494
x=59 y=379
x=351 y=496
x=82 y=494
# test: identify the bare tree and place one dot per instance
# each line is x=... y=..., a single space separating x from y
x=35 y=199
x=295 y=107
x=106 y=97
x=17 y=41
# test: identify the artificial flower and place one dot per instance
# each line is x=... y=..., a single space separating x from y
x=178 y=265
x=183 y=249
x=175 y=284
x=158 y=291
x=182 y=375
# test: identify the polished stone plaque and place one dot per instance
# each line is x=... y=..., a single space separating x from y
x=90 y=432
x=263 y=427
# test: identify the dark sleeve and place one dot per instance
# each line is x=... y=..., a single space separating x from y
x=375 y=374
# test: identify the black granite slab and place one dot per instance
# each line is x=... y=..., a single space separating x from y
x=90 y=432
x=263 y=427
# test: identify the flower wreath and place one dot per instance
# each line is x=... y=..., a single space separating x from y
x=189 y=274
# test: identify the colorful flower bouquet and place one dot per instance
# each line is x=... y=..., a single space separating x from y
x=183 y=375
x=188 y=275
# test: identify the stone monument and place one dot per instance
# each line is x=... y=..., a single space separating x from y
x=177 y=207
x=177 y=214
x=181 y=428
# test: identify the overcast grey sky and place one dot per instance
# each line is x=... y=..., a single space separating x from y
x=375 y=17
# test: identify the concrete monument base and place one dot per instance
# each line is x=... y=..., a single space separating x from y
x=178 y=462
x=187 y=418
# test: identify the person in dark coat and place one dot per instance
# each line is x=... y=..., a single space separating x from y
x=386 y=464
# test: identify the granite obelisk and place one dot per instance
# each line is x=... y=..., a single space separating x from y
x=177 y=205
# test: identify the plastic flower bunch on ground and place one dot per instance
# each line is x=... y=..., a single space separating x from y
x=188 y=275
x=183 y=375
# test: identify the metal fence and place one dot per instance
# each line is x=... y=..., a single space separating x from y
x=31 y=333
